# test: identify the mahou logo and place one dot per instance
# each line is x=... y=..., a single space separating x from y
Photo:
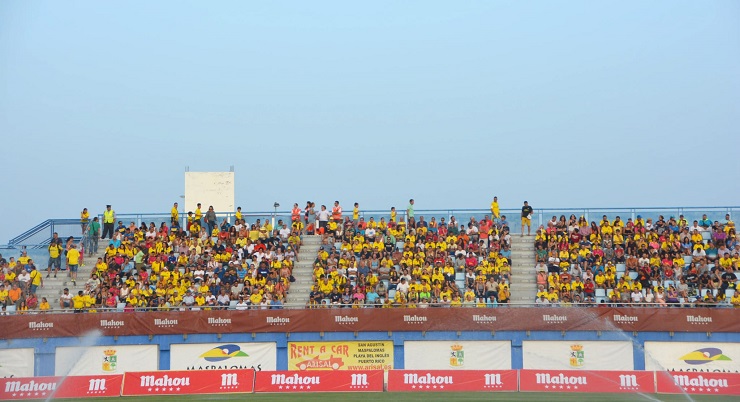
x=560 y=379
x=554 y=319
x=219 y=322
x=484 y=319
x=111 y=324
x=29 y=388
x=96 y=386
x=625 y=319
x=345 y=319
x=277 y=320
x=414 y=319
x=684 y=381
x=295 y=379
x=698 y=319
x=165 y=323
x=40 y=326
x=229 y=381
x=428 y=378
x=164 y=381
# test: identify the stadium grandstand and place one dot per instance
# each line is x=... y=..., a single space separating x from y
x=319 y=257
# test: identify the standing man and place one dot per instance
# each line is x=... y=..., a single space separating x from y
x=527 y=218
x=174 y=214
x=55 y=255
x=356 y=213
x=211 y=220
x=109 y=218
x=36 y=280
x=323 y=218
x=198 y=215
x=410 y=214
x=93 y=233
x=495 y=211
x=336 y=212
x=73 y=261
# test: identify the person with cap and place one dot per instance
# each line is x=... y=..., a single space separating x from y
x=109 y=218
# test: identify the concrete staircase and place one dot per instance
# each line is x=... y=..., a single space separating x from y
x=523 y=275
x=54 y=287
x=303 y=272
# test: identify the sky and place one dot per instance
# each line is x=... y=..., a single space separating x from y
x=562 y=103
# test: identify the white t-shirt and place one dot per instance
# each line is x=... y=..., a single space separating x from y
x=323 y=215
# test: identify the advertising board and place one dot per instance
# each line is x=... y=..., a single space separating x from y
x=224 y=356
x=578 y=355
x=349 y=355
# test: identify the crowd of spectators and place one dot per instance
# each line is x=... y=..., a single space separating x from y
x=409 y=261
x=641 y=261
x=405 y=261
x=200 y=266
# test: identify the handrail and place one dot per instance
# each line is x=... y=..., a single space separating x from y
x=539 y=219
x=30 y=232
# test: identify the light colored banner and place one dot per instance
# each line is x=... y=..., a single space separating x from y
x=224 y=356
x=578 y=355
x=16 y=362
x=112 y=359
x=446 y=355
x=693 y=356
x=351 y=355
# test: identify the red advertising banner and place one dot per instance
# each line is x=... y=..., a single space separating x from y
x=60 y=387
x=319 y=381
x=586 y=381
x=188 y=382
x=698 y=383
x=343 y=320
x=452 y=380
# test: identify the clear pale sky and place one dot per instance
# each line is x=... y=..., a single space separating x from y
x=562 y=103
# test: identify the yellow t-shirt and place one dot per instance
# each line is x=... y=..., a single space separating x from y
x=73 y=256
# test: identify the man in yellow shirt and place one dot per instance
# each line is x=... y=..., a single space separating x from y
x=73 y=261
x=55 y=258
x=495 y=211
x=174 y=214
x=78 y=302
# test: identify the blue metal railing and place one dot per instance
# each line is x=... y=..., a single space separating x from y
x=39 y=235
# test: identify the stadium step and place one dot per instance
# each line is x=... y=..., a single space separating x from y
x=303 y=271
x=523 y=282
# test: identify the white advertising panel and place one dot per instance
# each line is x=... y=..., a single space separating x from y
x=693 y=356
x=446 y=355
x=112 y=359
x=210 y=189
x=224 y=356
x=578 y=355
x=16 y=362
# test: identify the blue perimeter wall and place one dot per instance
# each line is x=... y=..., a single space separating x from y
x=45 y=349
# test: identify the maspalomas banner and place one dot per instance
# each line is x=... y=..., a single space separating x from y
x=349 y=355
x=111 y=359
x=351 y=320
x=48 y=388
x=578 y=355
x=457 y=355
x=224 y=356
x=16 y=362
x=702 y=357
